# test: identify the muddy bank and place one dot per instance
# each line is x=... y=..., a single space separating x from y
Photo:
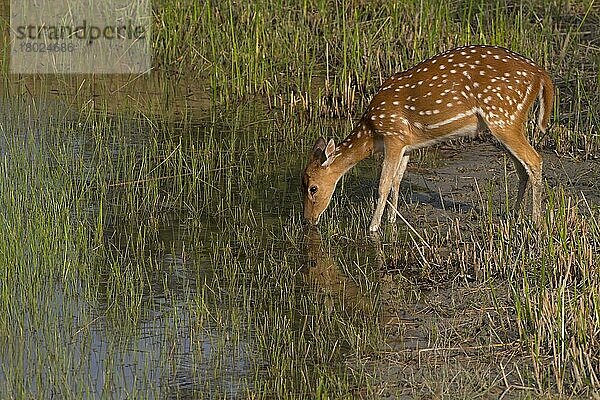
x=464 y=176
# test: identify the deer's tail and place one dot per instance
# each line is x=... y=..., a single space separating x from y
x=546 y=98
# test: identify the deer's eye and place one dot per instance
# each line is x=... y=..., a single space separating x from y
x=313 y=189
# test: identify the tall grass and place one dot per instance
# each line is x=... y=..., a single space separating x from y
x=544 y=285
x=328 y=58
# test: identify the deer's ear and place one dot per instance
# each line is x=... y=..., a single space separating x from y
x=329 y=150
x=318 y=150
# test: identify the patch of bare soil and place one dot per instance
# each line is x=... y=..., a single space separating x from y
x=451 y=342
x=465 y=176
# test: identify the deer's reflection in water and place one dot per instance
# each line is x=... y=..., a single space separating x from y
x=325 y=274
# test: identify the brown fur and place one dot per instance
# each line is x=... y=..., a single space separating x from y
x=457 y=93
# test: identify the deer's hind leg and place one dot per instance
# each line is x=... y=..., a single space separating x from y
x=528 y=164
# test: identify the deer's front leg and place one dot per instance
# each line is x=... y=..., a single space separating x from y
x=391 y=165
x=392 y=210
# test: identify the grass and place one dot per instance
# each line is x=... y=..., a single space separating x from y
x=251 y=51
x=151 y=241
x=539 y=290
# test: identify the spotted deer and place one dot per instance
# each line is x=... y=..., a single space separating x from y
x=460 y=92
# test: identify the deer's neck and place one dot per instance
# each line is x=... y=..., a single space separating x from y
x=355 y=148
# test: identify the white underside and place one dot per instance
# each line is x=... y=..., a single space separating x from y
x=468 y=130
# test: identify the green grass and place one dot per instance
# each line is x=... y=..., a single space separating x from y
x=327 y=59
x=544 y=286
x=151 y=241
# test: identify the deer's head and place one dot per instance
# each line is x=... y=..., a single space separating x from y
x=319 y=180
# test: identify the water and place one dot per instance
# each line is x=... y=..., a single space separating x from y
x=196 y=279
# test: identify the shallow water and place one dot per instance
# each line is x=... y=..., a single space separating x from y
x=198 y=280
